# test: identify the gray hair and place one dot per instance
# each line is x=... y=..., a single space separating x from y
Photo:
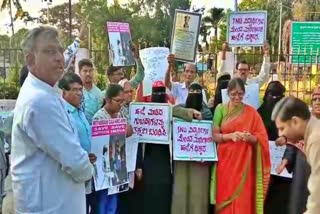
x=29 y=43
x=289 y=107
x=190 y=63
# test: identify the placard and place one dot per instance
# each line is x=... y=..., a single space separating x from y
x=185 y=33
x=151 y=122
x=305 y=42
x=251 y=97
x=109 y=145
x=120 y=44
x=247 y=28
x=155 y=63
x=131 y=152
x=192 y=141
x=276 y=154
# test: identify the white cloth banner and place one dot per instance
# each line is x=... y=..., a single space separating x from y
x=276 y=154
x=155 y=63
x=251 y=96
x=131 y=152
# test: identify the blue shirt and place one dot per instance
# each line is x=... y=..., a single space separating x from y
x=82 y=125
x=93 y=100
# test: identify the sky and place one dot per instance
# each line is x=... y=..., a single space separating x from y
x=34 y=6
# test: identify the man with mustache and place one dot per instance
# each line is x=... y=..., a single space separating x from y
x=243 y=69
x=46 y=157
x=295 y=123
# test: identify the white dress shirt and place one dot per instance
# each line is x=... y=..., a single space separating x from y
x=48 y=165
x=180 y=92
x=260 y=79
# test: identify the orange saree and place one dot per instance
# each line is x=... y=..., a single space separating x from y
x=243 y=169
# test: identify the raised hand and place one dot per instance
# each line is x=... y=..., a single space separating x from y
x=266 y=48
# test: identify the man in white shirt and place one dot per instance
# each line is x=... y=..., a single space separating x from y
x=243 y=70
x=180 y=90
x=48 y=165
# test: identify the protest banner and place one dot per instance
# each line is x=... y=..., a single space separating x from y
x=192 y=141
x=155 y=63
x=151 y=122
x=185 y=33
x=251 y=96
x=247 y=28
x=276 y=154
x=131 y=152
x=231 y=60
x=108 y=144
x=120 y=44
x=305 y=42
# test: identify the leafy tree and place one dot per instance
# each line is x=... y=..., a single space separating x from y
x=253 y=5
x=306 y=10
x=273 y=9
x=214 y=17
x=19 y=36
x=4 y=41
x=59 y=17
x=20 y=13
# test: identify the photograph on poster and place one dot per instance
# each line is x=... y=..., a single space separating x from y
x=120 y=44
x=185 y=35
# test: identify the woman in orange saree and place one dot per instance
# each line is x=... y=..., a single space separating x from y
x=241 y=176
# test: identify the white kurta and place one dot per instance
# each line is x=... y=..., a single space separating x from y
x=48 y=165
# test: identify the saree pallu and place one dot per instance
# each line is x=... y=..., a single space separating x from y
x=243 y=169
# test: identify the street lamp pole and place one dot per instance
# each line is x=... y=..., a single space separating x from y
x=70 y=22
x=12 y=42
x=280 y=33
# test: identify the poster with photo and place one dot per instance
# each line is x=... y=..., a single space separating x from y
x=108 y=144
x=185 y=33
x=120 y=44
